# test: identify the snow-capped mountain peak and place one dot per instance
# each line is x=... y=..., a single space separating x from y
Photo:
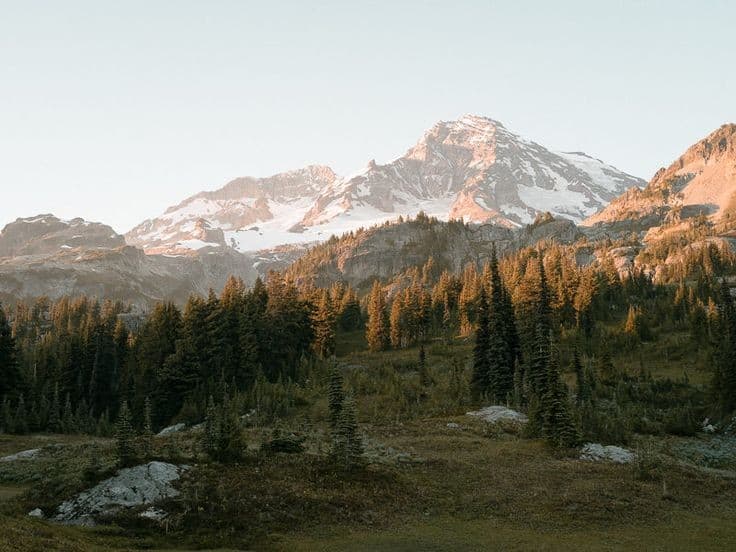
x=472 y=168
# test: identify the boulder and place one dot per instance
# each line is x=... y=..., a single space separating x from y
x=176 y=428
x=594 y=452
x=129 y=488
x=23 y=455
x=494 y=414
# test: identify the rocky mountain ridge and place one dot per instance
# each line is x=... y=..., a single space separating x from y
x=700 y=181
x=45 y=255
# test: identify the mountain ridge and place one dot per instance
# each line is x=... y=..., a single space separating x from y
x=472 y=168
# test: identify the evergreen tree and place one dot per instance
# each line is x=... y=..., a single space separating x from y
x=211 y=433
x=558 y=426
x=500 y=352
x=583 y=390
x=7 y=420
x=377 y=328
x=350 y=317
x=480 y=381
x=323 y=321
x=336 y=395
x=10 y=376
x=724 y=373
x=231 y=442
x=55 y=425
x=125 y=436
x=68 y=422
x=147 y=433
x=347 y=443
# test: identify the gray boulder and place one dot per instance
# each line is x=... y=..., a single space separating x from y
x=23 y=455
x=130 y=488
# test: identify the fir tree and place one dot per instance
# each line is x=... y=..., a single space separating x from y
x=347 y=443
x=500 y=352
x=323 y=321
x=211 y=433
x=231 y=442
x=7 y=420
x=55 y=425
x=336 y=395
x=125 y=436
x=480 y=381
x=558 y=426
x=10 y=376
x=147 y=433
x=68 y=422
x=724 y=374
x=377 y=328
x=583 y=390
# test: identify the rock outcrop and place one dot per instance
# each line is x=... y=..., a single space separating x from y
x=131 y=488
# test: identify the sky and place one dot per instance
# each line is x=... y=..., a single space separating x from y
x=113 y=111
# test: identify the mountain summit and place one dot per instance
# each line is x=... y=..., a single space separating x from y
x=472 y=168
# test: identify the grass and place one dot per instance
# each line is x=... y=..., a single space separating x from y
x=686 y=532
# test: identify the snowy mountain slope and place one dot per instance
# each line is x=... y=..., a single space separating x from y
x=234 y=214
x=472 y=168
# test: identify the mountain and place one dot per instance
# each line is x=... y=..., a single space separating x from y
x=245 y=214
x=701 y=181
x=45 y=255
x=472 y=169
x=46 y=235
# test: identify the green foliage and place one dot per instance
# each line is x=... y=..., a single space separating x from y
x=125 y=437
x=222 y=438
x=347 y=445
x=336 y=395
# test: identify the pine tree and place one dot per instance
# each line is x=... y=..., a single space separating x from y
x=125 y=436
x=457 y=387
x=377 y=330
x=583 y=390
x=231 y=442
x=68 y=422
x=7 y=420
x=480 y=381
x=724 y=373
x=55 y=412
x=147 y=433
x=347 y=443
x=397 y=323
x=631 y=326
x=500 y=353
x=10 y=375
x=211 y=433
x=336 y=395
x=558 y=426
x=324 y=321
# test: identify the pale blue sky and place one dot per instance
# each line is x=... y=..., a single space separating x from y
x=114 y=110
